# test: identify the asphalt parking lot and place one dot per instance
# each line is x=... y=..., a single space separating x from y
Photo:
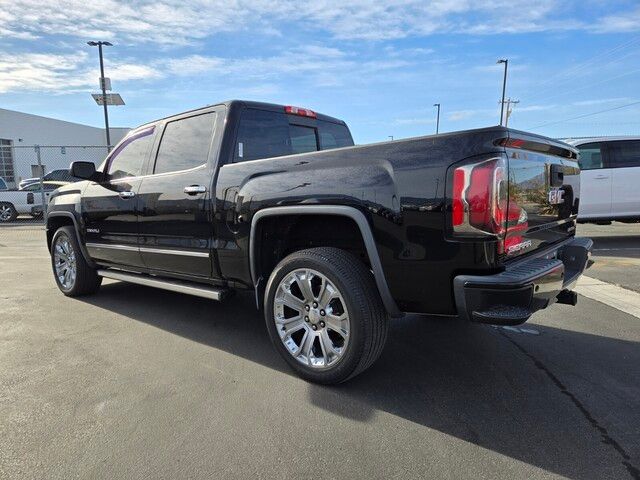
x=139 y=383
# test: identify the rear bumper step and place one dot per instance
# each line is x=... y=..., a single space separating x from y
x=198 y=290
x=524 y=287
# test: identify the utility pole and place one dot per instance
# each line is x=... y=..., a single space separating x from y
x=103 y=85
x=505 y=61
x=437 y=118
x=509 y=110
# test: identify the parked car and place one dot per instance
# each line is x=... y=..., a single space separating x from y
x=333 y=239
x=27 y=201
x=3 y=185
x=610 y=178
x=61 y=175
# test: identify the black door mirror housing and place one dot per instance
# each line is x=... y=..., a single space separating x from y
x=84 y=170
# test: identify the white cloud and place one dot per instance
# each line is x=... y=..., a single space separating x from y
x=459 y=115
x=317 y=65
x=619 y=23
x=176 y=22
x=61 y=73
x=600 y=101
x=323 y=66
x=413 y=121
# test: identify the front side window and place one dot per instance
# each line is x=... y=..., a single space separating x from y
x=127 y=160
x=185 y=143
x=625 y=153
x=591 y=156
x=32 y=187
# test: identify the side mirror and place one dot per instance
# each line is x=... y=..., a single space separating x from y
x=84 y=170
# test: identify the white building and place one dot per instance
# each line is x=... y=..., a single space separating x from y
x=60 y=143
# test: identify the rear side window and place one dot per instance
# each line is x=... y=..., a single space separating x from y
x=625 y=153
x=127 y=160
x=591 y=156
x=333 y=135
x=3 y=185
x=262 y=134
x=265 y=134
x=185 y=143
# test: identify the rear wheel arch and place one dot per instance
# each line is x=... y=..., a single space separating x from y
x=262 y=261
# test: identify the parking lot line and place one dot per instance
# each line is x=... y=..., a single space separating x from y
x=612 y=295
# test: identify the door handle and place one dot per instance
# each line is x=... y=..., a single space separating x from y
x=601 y=177
x=127 y=194
x=195 y=189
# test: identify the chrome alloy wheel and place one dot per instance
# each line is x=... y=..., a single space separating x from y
x=5 y=213
x=311 y=318
x=64 y=259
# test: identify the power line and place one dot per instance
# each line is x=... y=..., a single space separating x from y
x=573 y=71
x=585 y=115
x=562 y=78
x=584 y=87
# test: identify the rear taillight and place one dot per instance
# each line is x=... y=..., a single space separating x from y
x=302 y=112
x=480 y=198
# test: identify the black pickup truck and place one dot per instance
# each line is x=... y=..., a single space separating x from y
x=334 y=239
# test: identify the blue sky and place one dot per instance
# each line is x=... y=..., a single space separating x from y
x=378 y=65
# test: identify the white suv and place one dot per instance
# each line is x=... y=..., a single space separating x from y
x=610 y=178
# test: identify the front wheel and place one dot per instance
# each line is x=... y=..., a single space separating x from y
x=73 y=275
x=8 y=212
x=324 y=314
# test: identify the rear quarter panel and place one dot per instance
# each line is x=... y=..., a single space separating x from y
x=400 y=186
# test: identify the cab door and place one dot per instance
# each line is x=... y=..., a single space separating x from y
x=596 y=181
x=110 y=206
x=625 y=160
x=175 y=217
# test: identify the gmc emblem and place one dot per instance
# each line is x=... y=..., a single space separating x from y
x=556 y=196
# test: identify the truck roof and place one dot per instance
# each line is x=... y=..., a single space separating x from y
x=248 y=104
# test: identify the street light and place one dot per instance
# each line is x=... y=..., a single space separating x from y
x=104 y=87
x=437 y=117
x=504 y=86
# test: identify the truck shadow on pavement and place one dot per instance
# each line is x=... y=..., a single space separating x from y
x=476 y=383
x=617 y=246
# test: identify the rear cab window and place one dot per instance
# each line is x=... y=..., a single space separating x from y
x=266 y=134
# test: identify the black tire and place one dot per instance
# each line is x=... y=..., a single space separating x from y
x=368 y=319
x=8 y=212
x=86 y=279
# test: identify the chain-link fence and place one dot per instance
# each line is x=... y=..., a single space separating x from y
x=28 y=176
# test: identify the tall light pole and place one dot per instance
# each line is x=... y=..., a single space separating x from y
x=504 y=86
x=437 y=117
x=103 y=87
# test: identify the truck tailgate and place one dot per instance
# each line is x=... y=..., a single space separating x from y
x=544 y=191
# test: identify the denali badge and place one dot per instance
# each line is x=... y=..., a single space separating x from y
x=518 y=246
x=556 y=196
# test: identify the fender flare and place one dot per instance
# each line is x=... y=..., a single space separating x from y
x=76 y=229
x=340 y=210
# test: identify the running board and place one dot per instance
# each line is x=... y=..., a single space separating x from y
x=205 y=291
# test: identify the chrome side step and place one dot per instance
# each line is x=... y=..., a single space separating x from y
x=205 y=291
